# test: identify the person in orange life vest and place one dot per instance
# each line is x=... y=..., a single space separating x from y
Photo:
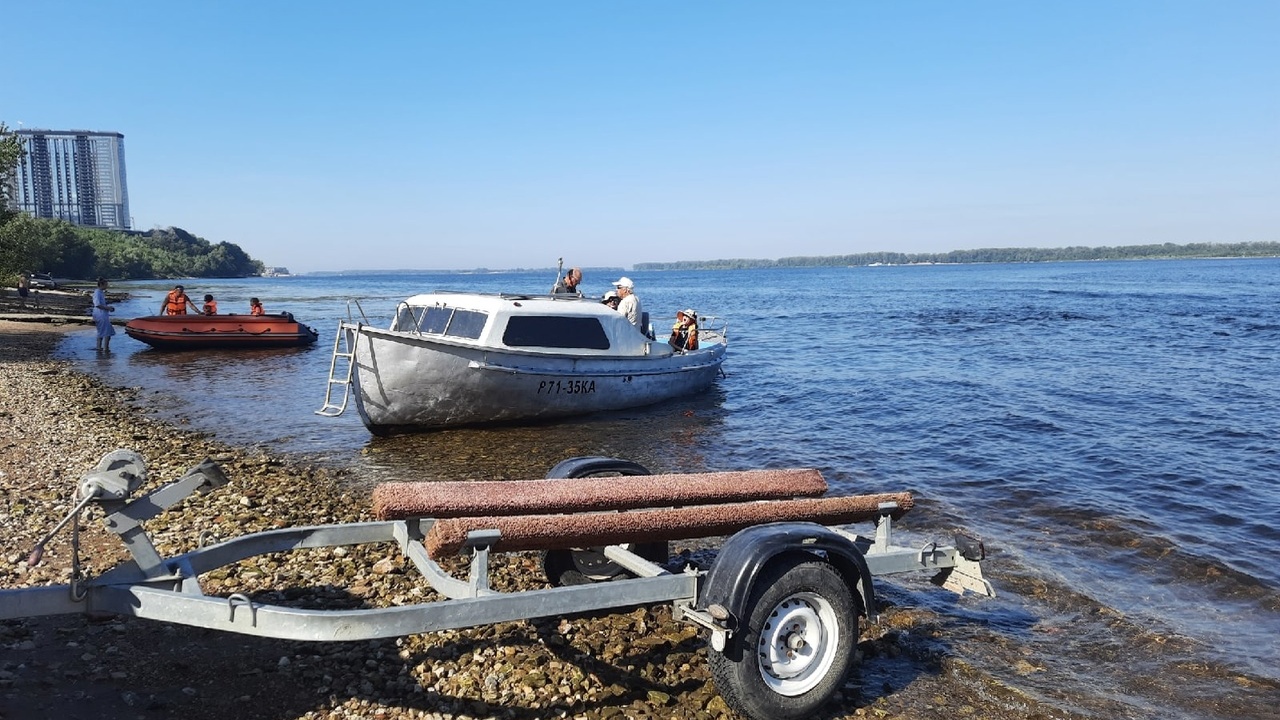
x=255 y=307
x=176 y=302
x=210 y=306
x=684 y=334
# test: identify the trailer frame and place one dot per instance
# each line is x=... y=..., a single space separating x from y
x=717 y=600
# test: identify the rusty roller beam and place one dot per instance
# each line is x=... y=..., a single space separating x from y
x=548 y=532
x=397 y=501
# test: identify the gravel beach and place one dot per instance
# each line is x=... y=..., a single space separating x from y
x=56 y=424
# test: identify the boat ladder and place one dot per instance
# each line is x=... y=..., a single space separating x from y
x=348 y=336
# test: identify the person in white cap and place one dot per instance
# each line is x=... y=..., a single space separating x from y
x=630 y=304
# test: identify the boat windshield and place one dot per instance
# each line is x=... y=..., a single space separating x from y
x=437 y=320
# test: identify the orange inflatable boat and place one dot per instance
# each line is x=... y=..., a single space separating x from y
x=200 y=332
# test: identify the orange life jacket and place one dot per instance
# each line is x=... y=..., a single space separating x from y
x=176 y=303
x=257 y=310
x=684 y=336
x=211 y=307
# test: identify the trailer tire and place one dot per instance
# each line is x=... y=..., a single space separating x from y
x=579 y=566
x=795 y=644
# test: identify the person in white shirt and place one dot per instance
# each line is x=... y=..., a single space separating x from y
x=102 y=317
x=630 y=304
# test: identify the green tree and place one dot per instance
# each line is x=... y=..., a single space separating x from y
x=54 y=246
x=66 y=250
x=10 y=154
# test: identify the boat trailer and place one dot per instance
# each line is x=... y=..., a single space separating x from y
x=781 y=601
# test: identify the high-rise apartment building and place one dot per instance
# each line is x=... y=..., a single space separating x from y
x=73 y=175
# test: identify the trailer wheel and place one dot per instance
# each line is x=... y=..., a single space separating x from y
x=796 y=643
x=579 y=566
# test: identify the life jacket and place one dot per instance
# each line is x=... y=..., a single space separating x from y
x=211 y=307
x=257 y=310
x=684 y=336
x=176 y=303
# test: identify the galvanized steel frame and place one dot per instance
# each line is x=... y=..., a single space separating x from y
x=169 y=590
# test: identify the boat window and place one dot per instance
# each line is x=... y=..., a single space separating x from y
x=441 y=321
x=406 y=319
x=423 y=319
x=435 y=320
x=556 y=332
x=466 y=324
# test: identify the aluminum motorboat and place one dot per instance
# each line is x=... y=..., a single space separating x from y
x=464 y=358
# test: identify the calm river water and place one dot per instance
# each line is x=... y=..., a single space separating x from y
x=1111 y=430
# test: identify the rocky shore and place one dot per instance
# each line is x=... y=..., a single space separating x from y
x=55 y=424
x=65 y=306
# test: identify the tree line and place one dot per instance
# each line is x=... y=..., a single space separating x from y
x=988 y=255
x=64 y=250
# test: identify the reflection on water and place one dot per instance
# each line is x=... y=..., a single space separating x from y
x=256 y=397
x=664 y=438
x=268 y=398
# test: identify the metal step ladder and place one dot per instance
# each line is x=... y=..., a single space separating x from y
x=331 y=408
x=340 y=340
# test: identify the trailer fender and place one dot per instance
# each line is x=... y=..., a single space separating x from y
x=745 y=554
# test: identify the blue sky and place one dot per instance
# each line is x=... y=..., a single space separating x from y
x=328 y=136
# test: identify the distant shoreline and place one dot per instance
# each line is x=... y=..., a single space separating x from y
x=1167 y=251
x=799 y=263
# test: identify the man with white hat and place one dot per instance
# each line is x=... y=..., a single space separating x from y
x=630 y=304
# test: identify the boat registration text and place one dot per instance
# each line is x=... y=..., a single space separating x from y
x=566 y=387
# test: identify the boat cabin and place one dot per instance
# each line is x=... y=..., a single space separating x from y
x=525 y=323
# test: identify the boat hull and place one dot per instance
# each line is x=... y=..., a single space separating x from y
x=201 y=332
x=407 y=381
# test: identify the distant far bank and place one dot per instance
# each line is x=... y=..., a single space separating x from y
x=551 y=272
x=1166 y=251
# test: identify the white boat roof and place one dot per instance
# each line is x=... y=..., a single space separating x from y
x=624 y=338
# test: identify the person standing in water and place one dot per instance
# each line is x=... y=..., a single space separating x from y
x=102 y=317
